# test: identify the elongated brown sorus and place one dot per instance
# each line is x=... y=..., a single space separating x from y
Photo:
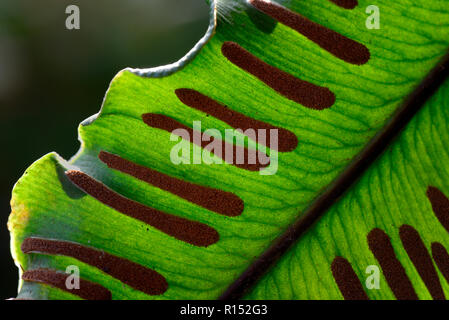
x=440 y=205
x=131 y=273
x=347 y=280
x=441 y=258
x=194 y=99
x=168 y=124
x=421 y=259
x=346 y=4
x=219 y=201
x=87 y=290
x=335 y=43
x=192 y=232
x=305 y=93
x=397 y=279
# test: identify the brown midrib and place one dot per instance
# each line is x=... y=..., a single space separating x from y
x=355 y=170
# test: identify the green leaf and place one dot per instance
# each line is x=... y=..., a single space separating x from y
x=407 y=186
x=334 y=102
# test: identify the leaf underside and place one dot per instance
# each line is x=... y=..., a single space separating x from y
x=407 y=187
x=119 y=210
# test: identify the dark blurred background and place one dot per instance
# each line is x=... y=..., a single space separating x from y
x=52 y=78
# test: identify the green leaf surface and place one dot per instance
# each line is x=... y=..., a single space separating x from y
x=413 y=38
x=392 y=193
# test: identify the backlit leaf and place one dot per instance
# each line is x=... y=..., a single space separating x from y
x=122 y=212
